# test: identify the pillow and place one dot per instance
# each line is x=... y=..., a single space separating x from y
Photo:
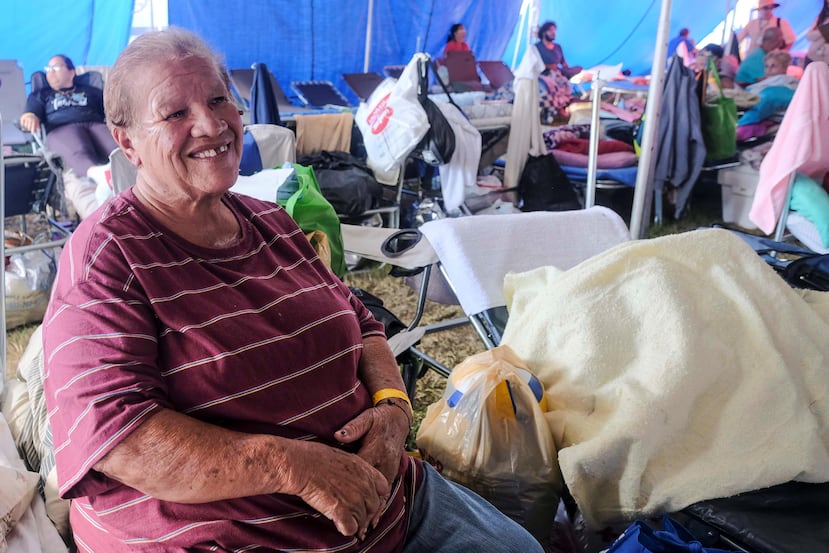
x=812 y=201
x=772 y=100
x=612 y=160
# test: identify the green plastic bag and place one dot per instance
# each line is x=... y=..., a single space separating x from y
x=719 y=123
x=312 y=212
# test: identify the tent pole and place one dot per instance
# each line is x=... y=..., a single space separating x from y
x=524 y=18
x=593 y=150
x=725 y=21
x=647 y=160
x=368 y=35
x=3 y=329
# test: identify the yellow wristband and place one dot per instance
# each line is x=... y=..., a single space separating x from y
x=387 y=393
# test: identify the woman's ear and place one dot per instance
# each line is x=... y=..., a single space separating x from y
x=124 y=141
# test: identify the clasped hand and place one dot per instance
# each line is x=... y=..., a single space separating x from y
x=352 y=489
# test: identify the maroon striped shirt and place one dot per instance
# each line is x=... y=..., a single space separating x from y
x=260 y=337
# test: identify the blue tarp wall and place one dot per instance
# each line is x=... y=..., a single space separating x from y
x=593 y=32
x=89 y=32
x=321 y=39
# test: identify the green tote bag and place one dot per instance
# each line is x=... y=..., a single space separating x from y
x=312 y=212
x=719 y=123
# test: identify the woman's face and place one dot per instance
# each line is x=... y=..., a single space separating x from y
x=774 y=67
x=58 y=75
x=187 y=137
x=460 y=34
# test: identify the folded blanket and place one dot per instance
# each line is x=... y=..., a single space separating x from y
x=678 y=369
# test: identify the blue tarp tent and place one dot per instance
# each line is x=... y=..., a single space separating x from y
x=321 y=39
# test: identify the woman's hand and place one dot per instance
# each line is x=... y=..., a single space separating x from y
x=342 y=486
x=30 y=122
x=382 y=431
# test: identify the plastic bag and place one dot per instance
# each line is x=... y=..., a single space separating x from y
x=392 y=121
x=29 y=276
x=312 y=212
x=488 y=432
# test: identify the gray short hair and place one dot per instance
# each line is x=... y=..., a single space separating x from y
x=151 y=48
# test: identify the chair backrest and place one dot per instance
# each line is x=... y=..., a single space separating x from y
x=241 y=81
x=12 y=101
x=497 y=73
x=89 y=78
x=393 y=71
x=363 y=84
x=27 y=184
x=319 y=94
x=476 y=252
x=463 y=69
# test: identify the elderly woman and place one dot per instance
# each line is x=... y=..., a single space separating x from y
x=73 y=116
x=211 y=385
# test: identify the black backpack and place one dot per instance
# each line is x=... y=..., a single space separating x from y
x=438 y=145
x=544 y=186
x=345 y=181
x=811 y=271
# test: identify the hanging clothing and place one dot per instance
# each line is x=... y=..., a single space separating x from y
x=680 y=151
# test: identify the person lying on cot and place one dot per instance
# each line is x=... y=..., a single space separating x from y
x=73 y=116
x=211 y=384
x=775 y=89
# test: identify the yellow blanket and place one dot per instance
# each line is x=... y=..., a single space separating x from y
x=679 y=369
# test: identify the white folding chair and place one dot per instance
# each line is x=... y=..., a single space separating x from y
x=475 y=253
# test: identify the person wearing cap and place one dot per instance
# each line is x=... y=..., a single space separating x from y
x=765 y=20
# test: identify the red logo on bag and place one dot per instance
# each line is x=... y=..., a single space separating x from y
x=380 y=115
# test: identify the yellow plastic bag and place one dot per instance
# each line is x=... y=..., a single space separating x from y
x=488 y=432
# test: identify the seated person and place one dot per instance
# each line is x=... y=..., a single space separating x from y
x=555 y=90
x=753 y=67
x=211 y=384
x=73 y=116
x=775 y=89
x=456 y=41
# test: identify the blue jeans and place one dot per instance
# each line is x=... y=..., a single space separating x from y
x=448 y=518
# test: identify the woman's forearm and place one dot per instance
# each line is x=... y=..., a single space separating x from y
x=177 y=458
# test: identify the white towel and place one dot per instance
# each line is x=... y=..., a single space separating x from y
x=678 y=369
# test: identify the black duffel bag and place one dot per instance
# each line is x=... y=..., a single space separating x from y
x=345 y=181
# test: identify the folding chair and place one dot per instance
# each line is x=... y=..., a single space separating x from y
x=363 y=84
x=463 y=71
x=475 y=253
x=497 y=73
x=27 y=184
x=241 y=82
x=319 y=94
x=12 y=101
x=393 y=71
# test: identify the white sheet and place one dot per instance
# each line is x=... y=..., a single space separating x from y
x=31 y=531
x=678 y=369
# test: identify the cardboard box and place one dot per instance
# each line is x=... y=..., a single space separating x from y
x=738 y=185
